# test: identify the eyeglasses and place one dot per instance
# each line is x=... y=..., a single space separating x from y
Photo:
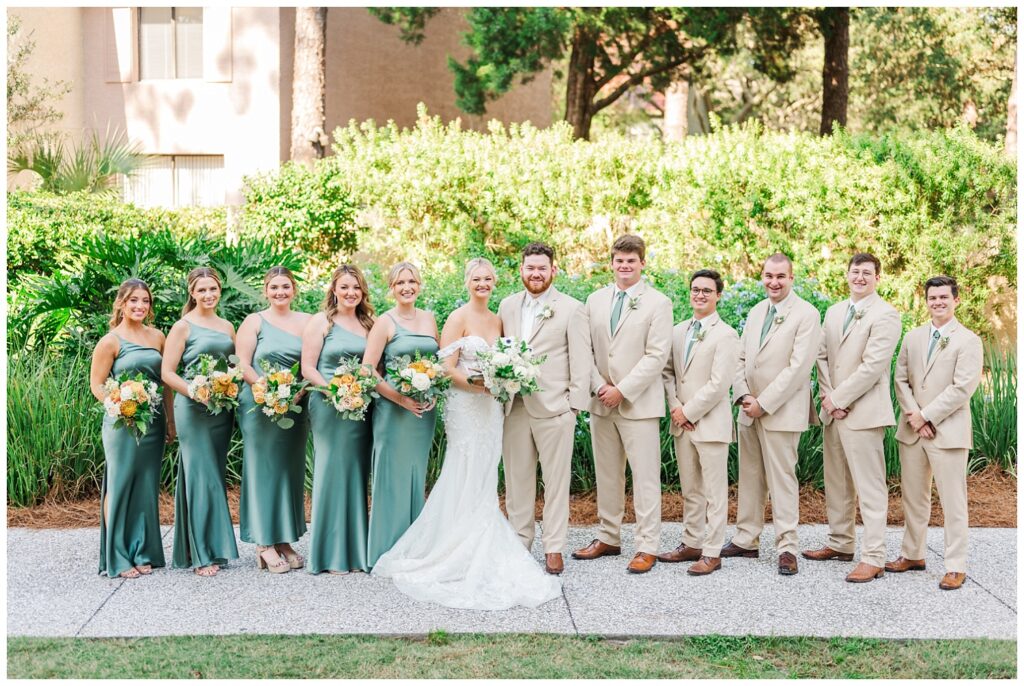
x=694 y=290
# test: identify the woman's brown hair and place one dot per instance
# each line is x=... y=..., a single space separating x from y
x=193 y=276
x=280 y=271
x=364 y=310
x=124 y=291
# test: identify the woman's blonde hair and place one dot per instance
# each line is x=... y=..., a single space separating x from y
x=274 y=272
x=477 y=263
x=192 y=278
x=364 y=310
x=396 y=270
x=124 y=291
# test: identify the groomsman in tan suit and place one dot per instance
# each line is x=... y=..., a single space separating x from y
x=777 y=350
x=541 y=426
x=937 y=371
x=628 y=326
x=697 y=378
x=860 y=338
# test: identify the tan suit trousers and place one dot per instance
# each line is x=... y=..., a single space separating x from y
x=949 y=465
x=767 y=467
x=855 y=471
x=616 y=441
x=526 y=440
x=704 y=478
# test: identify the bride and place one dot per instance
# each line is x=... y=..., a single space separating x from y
x=461 y=551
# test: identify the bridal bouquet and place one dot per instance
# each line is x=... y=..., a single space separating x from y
x=215 y=380
x=277 y=391
x=420 y=378
x=510 y=368
x=351 y=388
x=131 y=399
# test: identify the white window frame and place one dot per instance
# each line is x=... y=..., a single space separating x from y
x=174 y=49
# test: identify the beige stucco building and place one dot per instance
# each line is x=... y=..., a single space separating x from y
x=208 y=90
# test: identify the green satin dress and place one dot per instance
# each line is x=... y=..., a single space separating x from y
x=401 y=447
x=272 y=506
x=203 y=533
x=130 y=533
x=341 y=449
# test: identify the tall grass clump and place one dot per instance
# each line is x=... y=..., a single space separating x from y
x=54 y=447
x=994 y=410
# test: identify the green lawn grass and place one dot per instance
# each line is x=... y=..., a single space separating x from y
x=515 y=656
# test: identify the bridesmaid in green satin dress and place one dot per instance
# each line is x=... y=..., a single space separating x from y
x=341 y=447
x=204 y=537
x=403 y=429
x=130 y=540
x=272 y=510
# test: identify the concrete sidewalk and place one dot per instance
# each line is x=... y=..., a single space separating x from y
x=53 y=590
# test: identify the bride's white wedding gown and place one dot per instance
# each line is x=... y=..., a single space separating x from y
x=461 y=551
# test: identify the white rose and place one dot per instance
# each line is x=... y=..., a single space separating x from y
x=420 y=381
x=113 y=409
x=530 y=373
x=269 y=411
x=406 y=373
x=127 y=393
x=513 y=386
x=284 y=390
x=200 y=380
x=500 y=359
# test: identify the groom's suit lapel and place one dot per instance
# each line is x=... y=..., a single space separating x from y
x=538 y=322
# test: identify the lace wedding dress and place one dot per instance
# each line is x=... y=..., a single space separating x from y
x=461 y=551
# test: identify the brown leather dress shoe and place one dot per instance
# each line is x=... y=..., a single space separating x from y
x=902 y=564
x=553 y=563
x=596 y=549
x=683 y=553
x=864 y=572
x=705 y=565
x=787 y=564
x=733 y=550
x=826 y=553
x=952 y=581
x=641 y=562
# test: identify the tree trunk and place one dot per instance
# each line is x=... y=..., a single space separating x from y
x=697 y=121
x=579 y=87
x=835 y=74
x=309 y=93
x=675 y=110
x=1011 y=116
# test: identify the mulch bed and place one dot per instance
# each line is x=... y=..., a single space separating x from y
x=991 y=502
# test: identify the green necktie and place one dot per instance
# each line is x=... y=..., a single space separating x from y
x=617 y=310
x=849 y=317
x=931 y=346
x=693 y=339
x=767 y=322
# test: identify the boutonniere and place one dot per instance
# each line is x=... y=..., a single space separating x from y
x=699 y=336
x=943 y=342
x=546 y=313
x=779 y=318
x=634 y=302
x=858 y=314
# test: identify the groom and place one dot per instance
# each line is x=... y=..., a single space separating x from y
x=541 y=425
x=628 y=326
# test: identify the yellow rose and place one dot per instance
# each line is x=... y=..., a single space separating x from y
x=128 y=408
x=356 y=402
x=287 y=377
x=258 y=396
x=347 y=378
x=335 y=381
x=232 y=390
x=355 y=389
x=406 y=388
x=203 y=393
x=115 y=395
x=431 y=373
x=281 y=407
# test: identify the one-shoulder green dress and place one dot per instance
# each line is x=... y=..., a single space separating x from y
x=272 y=506
x=341 y=449
x=401 y=447
x=130 y=532
x=203 y=533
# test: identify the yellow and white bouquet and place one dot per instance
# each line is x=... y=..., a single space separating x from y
x=131 y=399
x=277 y=391
x=216 y=381
x=510 y=368
x=351 y=388
x=420 y=378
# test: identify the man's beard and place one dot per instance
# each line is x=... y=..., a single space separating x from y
x=532 y=287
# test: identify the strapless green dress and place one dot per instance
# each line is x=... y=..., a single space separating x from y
x=130 y=533
x=401 y=447
x=341 y=449
x=203 y=533
x=272 y=505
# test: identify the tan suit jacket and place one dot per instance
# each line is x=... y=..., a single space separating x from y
x=564 y=375
x=701 y=386
x=941 y=388
x=778 y=372
x=632 y=359
x=853 y=367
